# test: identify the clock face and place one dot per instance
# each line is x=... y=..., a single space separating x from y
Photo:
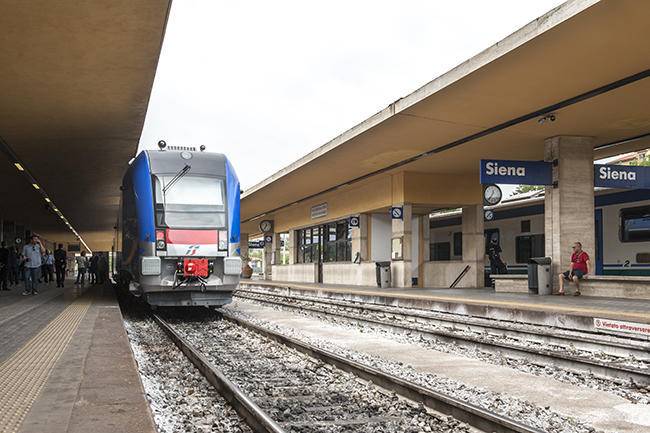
x=492 y=194
x=266 y=226
x=489 y=215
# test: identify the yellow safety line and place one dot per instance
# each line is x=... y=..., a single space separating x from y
x=24 y=374
x=461 y=300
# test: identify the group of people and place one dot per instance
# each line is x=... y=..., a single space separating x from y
x=95 y=266
x=579 y=267
x=34 y=264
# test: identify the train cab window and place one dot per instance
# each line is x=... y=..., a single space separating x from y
x=190 y=202
x=458 y=243
x=440 y=251
x=635 y=224
x=528 y=246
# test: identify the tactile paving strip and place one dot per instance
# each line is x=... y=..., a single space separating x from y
x=23 y=375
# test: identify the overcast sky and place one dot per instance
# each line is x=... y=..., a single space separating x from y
x=267 y=82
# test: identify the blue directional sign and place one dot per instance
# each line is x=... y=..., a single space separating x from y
x=622 y=176
x=516 y=172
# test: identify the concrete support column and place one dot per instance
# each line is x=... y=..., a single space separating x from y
x=401 y=244
x=243 y=244
x=268 y=257
x=426 y=239
x=292 y=246
x=360 y=239
x=473 y=245
x=569 y=204
x=277 y=249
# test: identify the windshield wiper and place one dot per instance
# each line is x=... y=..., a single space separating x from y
x=176 y=178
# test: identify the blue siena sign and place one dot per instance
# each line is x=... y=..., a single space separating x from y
x=622 y=176
x=516 y=172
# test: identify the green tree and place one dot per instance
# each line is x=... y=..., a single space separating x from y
x=528 y=188
x=644 y=162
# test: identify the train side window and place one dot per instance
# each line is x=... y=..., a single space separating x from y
x=440 y=251
x=458 y=243
x=528 y=246
x=635 y=224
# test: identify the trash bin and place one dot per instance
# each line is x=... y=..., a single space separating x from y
x=539 y=276
x=383 y=274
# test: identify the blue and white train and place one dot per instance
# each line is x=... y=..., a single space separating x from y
x=178 y=233
x=622 y=221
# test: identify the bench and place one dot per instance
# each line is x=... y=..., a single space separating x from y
x=610 y=286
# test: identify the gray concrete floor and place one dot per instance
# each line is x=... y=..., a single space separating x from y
x=600 y=409
x=94 y=386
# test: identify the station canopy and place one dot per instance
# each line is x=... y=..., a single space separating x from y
x=75 y=80
x=586 y=62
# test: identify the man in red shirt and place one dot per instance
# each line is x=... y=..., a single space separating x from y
x=578 y=270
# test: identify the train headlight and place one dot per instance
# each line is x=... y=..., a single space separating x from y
x=161 y=242
x=223 y=240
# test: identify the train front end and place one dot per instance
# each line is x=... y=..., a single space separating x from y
x=190 y=247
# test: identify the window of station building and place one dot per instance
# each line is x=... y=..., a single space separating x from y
x=635 y=224
x=333 y=240
x=440 y=251
x=284 y=248
x=458 y=243
x=528 y=246
x=525 y=226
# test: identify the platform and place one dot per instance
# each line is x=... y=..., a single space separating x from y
x=585 y=313
x=66 y=364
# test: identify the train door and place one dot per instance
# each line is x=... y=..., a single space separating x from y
x=598 y=217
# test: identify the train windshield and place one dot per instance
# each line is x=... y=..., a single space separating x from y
x=190 y=202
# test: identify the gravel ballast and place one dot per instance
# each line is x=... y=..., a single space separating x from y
x=181 y=399
x=519 y=410
x=301 y=393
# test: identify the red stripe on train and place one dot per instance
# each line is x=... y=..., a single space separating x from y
x=175 y=236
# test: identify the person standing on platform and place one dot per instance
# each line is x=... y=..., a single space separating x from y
x=32 y=253
x=49 y=266
x=4 y=266
x=494 y=254
x=82 y=265
x=14 y=257
x=102 y=269
x=60 y=258
x=578 y=269
x=92 y=276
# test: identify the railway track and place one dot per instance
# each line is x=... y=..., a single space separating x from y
x=607 y=357
x=279 y=384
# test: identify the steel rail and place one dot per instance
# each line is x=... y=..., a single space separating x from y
x=543 y=357
x=466 y=412
x=593 y=341
x=255 y=417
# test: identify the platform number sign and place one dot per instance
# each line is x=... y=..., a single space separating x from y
x=397 y=212
x=268 y=239
x=354 y=221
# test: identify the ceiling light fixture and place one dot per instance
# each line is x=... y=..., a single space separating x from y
x=5 y=148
